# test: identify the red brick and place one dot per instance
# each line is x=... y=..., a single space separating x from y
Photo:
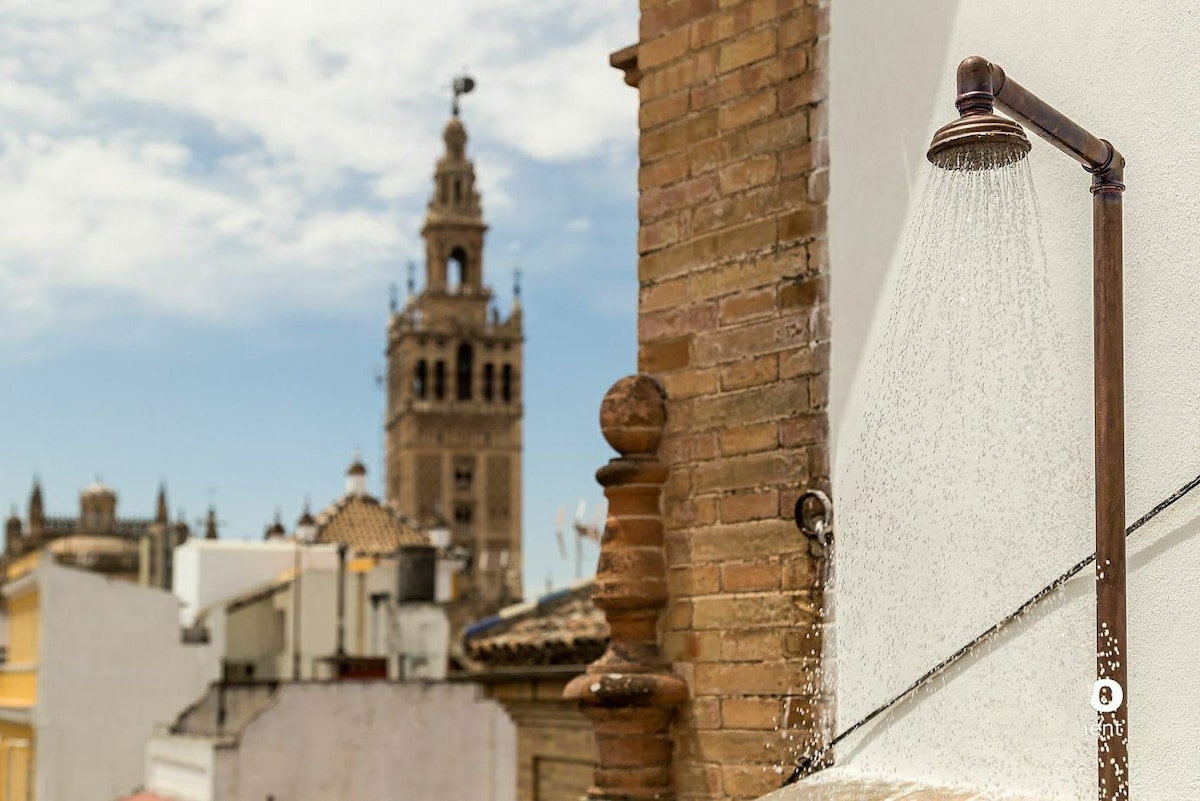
x=661 y=49
x=664 y=295
x=664 y=171
x=742 y=112
x=743 y=471
x=749 y=373
x=748 y=173
x=744 y=541
x=804 y=430
x=750 y=576
x=752 y=339
x=677 y=321
x=682 y=196
x=685 y=384
x=763 y=679
x=659 y=357
x=671 y=16
x=663 y=110
x=748 y=49
x=803 y=90
x=806 y=292
x=653 y=236
x=747 y=305
x=750 y=713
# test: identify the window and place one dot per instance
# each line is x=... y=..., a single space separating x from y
x=462 y=478
x=458 y=269
x=439 y=380
x=457 y=190
x=419 y=377
x=489 y=378
x=464 y=372
x=506 y=383
x=463 y=516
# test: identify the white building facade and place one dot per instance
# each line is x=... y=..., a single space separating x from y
x=354 y=741
x=112 y=667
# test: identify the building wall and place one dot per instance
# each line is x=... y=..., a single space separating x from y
x=209 y=571
x=367 y=740
x=261 y=631
x=1014 y=716
x=112 y=668
x=733 y=318
x=182 y=768
x=555 y=746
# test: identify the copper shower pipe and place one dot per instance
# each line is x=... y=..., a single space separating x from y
x=980 y=84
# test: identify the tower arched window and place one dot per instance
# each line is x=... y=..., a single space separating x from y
x=489 y=381
x=459 y=270
x=458 y=190
x=506 y=383
x=463 y=369
x=420 y=379
x=439 y=380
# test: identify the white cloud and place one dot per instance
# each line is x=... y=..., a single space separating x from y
x=216 y=159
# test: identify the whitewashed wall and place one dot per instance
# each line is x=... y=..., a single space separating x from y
x=112 y=668
x=1012 y=717
x=209 y=571
x=355 y=741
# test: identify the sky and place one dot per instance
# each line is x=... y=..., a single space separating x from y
x=203 y=204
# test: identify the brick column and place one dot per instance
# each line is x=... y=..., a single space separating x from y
x=629 y=693
x=734 y=321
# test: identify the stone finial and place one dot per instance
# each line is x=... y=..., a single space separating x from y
x=633 y=414
x=630 y=693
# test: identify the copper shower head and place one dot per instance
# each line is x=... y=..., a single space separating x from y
x=978 y=142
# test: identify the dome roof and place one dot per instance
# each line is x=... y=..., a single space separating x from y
x=306 y=519
x=358 y=468
x=98 y=488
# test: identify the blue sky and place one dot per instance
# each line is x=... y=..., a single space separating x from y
x=203 y=205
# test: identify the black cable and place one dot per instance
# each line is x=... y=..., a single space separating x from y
x=805 y=765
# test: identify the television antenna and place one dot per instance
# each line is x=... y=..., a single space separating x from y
x=583 y=530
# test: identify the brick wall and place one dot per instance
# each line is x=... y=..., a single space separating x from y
x=734 y=320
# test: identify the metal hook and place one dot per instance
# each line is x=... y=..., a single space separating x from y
x=815 y=524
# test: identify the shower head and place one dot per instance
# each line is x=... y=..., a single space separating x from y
x=978 y=142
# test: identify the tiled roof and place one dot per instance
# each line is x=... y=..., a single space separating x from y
x=562 y=628
x=367 y=526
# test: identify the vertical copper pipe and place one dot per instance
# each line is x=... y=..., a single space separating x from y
x=1111 y=653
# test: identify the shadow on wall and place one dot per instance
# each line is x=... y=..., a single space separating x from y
x=884 y=88
x=1145 y=551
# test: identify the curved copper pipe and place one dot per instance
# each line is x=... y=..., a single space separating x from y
x=982 y=85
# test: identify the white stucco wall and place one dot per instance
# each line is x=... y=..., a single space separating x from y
x=261 y=631
x=354 y=741
x=1012 y=718
x=112 y=669
x=208 y=571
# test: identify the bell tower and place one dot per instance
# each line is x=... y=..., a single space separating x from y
x=454 y=409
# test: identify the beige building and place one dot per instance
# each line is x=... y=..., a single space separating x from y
x=453 y=423
x=135 y=549
x=524 y=657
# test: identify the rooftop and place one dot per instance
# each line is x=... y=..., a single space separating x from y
x=562 y=628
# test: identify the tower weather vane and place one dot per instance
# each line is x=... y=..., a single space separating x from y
x=517 y=284
x=462 y=85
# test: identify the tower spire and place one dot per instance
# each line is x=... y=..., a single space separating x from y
x=161 y=515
